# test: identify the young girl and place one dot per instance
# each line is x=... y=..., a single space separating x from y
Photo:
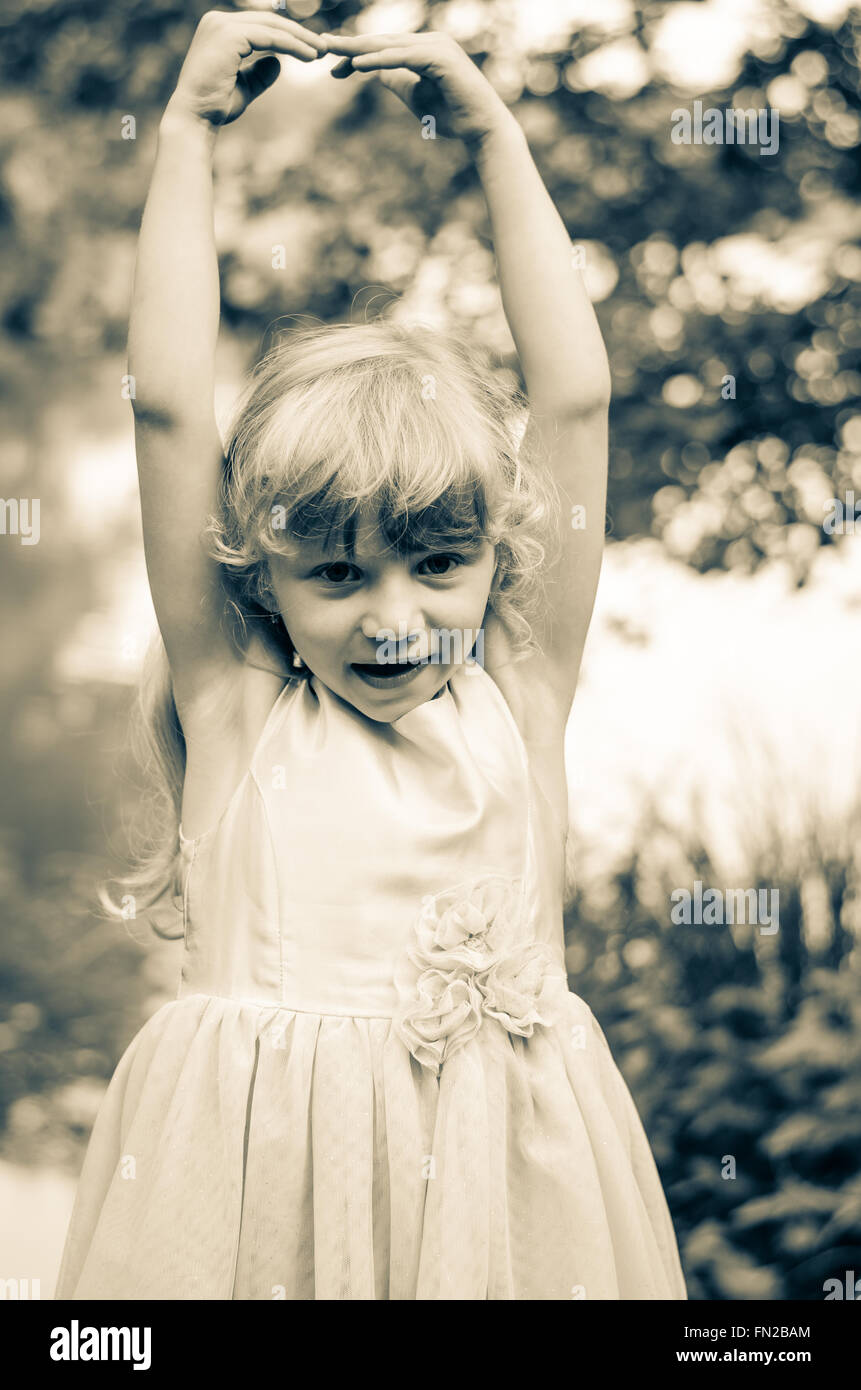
x=374 y=1082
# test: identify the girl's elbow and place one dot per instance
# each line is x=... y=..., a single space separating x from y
x=598 y=389
x=584 y=400
x=585 y=393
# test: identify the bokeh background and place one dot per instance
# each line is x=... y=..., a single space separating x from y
x=715 y=733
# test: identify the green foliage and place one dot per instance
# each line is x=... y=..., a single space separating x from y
x=678 y=226
x=737 y=1045
x=70 y=997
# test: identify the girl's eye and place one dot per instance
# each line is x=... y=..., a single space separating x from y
x=445 y=560
x=337 y=572
x=341 y=572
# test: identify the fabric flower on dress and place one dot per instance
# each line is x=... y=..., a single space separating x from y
x=470 y=926
x=520 y=990
x=443 y=1012
x=469 y=959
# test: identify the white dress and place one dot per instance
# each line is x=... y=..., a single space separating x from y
x=374 y=1082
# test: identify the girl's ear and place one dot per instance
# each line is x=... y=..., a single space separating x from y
x=265 y=592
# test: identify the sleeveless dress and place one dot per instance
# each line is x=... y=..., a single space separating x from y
x=374 y=1082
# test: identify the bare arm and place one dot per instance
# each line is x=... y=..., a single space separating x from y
x=173 y=331
x=548 y=310
x=172 y=335
x=567 y=378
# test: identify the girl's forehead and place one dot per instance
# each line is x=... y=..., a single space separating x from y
x=369 y=536
x=365 y=538
x=373 y=548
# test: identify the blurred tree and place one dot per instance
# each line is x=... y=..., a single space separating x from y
x=743 y=1053
x=729 y=280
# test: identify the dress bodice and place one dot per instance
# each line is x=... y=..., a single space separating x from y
x=306 y=891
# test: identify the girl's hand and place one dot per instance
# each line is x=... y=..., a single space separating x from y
x=433 y=77
x=213 y=86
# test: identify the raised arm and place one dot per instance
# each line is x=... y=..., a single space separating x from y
x=548 y=310
x=173 y=331
x=567 y=379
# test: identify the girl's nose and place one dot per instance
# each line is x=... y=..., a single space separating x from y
x=379 y=628
x=392 y=609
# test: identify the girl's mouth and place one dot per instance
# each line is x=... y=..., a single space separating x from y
x=383 y=675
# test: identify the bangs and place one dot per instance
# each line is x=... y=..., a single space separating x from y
x=457 y=516
x=409 y=450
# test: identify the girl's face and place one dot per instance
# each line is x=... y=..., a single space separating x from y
x=420 y=611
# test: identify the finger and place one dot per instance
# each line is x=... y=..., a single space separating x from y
x=391 y=58
x=402 y=83
x=262 y=38
x=282 y=27
x=342 y=68
x=260 y=75
x=368 y=43
x=281 y=22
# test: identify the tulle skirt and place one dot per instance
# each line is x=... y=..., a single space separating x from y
x=245 y=1151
